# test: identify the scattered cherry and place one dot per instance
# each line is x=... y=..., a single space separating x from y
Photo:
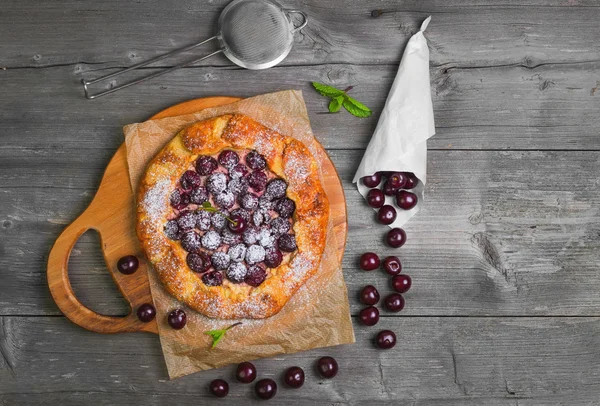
x=369 y=316
x=401 y=283
x=146 y=313
x=327 y=367
x=219 y=388
x=406 y=200
x=369 y=295
x=371 y=181
x=397 y=180
x=128 y=264
x=237 y=225
x=396 y=237
x=392 y=265
x=369 y=261
x=177 y=319
x=394 y=302
x=411 y=180
x=387 y=214
x=246 y=372
x=294 y=377
x=375 y=198
x=386 y=339
x=265 y=388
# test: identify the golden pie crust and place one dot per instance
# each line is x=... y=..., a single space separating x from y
x=287 y=158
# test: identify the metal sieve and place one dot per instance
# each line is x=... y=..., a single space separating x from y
x=254 y=34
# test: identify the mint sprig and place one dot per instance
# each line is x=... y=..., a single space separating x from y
x=206 y=206
x=339 y=98
x=217 y=335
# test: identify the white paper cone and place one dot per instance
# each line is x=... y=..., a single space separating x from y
x=399 y=142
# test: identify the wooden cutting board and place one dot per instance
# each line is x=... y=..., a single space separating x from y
x=111 y=213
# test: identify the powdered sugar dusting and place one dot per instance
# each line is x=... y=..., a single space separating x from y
x=155 y=200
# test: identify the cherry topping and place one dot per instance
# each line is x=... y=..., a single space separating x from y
x=238 y=224
x=198 y=262
x=287 y=243
x=214 y=278
x=411 y=180
x=280 y=226
x=276 y=188
x=237 y=252
x=397 y=180
x=216 y=183
x=146 y=313
x=255 y=160
x=218 y=219
x=199 y=195
x=369 y=295
x=177 y=319
x=369 y=316
x=265 y=203
x=327 y=367
x=265 y=388
x=211 y=240
x=257 y=180
x=219 y=388
x=191 y=241
x=294 y=377
x=238 y=171
x=179 y=200
x=369 y=261
x=255 y=254
x=396 y=237
x=128 y=264
x=237 y=186
x=255 y=276
x=246 y=372
x=387 y=214
x=392 y=265
x=236 y=272
x=243 y=213
x=285 y=207
x=406 y=200
x=205 y=165
x=229 y=238
x=273 y=257
x=248 y=201
x=186 y=221
x=394 y=302
x=401 y=283
x=190 y=180
x=220 y=260
x=375 y=198
x=228 y=158
x=371 y=181
x=386 y=339
x=225 y=200
x=203 y=220
x=172 y=230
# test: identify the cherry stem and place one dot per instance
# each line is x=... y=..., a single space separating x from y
x=233 y=325
x=346 y=90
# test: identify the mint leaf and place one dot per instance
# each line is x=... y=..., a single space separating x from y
x=217 y=335
x=328 y=91
x=336 y=104
x=356 y=108
x=206 y=205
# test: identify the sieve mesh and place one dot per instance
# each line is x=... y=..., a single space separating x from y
x=255 y=33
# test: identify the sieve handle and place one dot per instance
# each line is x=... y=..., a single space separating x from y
x=304 y=19
x=86 y=83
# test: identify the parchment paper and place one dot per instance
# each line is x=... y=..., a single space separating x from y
x=318 y=314
x=399 y=143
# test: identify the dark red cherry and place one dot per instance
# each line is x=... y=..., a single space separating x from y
x=198 y=262
x=294 y=377
x=257 y=180
x=205 y=165
x=287 y=243
x=387 y=214
x=228 y=158
x=273 y=257
x=265 y=388
x=179 y=199
x=190 y=180
x=406 y=200
x=177 y=319
x=401 y=283
x=246 y=372
x=411 y=180
x=128 y=264
x=369 y=295
x=396 y=237
x=388 y=189
x=214 y=278
x=327 y=367
x=371 y=181
x=369 y=316
x=237 y=224
x=375 y=198
x=394 y=302
x=369 y=261
x=219 y=388
x=386 y=339
x=397 y=180
x=146 y=312
x=255 y=160
x=392 y=265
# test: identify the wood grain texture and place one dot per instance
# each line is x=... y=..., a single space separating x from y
x=508 y=107
x=439 y=361
x=497 y=235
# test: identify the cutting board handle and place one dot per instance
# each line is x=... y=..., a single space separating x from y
x=102 y=216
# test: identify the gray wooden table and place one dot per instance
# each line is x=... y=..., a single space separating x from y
x=505 y=254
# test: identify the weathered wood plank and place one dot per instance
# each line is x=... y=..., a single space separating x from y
x=473 y=33
x=550 y=107
x=500 y=233
x=449 y=361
